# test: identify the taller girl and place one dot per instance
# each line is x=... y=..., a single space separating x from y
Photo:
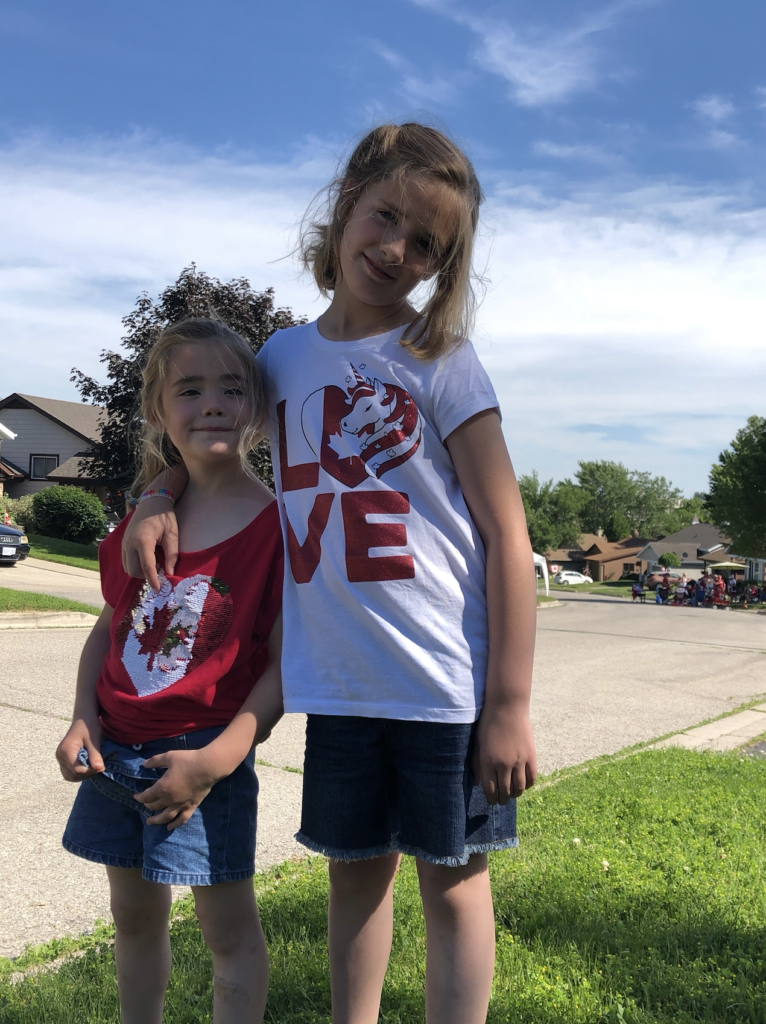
x=409 y=602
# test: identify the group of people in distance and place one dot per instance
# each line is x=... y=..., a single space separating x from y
x=709 y=590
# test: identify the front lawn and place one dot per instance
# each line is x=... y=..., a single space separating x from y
x=83 y=556
x=23 y=601
x=637 y=896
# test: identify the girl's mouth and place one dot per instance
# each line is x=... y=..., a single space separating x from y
x=375 y=269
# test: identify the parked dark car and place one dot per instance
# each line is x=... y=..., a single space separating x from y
x=14 y=546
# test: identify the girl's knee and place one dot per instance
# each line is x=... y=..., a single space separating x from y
x=229 y=920
x=440 y=879
x=139 y=911
x=363 y=878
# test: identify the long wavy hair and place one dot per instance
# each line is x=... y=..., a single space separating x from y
x=157 y=450
x=398 y=151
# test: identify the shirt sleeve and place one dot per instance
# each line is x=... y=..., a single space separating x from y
x=110 y=563
x=271 y=600
x=461 y=389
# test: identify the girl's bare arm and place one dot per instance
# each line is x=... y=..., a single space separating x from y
x=506 y=751
x=154 y=525
x=85 y=730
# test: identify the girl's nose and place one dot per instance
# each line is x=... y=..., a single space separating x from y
x=393 y=250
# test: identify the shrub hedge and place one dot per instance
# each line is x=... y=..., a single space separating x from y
x=68 y=513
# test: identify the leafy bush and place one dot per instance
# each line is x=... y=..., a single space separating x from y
x=20 y=510
x=68 y=513
x=670 y=560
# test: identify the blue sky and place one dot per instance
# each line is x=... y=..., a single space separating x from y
x=621 y=146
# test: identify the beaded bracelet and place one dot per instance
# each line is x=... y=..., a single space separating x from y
x=156 y=492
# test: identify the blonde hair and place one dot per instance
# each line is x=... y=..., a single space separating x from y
x=398 y=151
x=157 y=450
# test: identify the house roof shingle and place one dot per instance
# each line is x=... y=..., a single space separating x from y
x=70 y=470
x=83 y=420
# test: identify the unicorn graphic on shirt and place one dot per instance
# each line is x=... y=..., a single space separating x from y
x=365 y=429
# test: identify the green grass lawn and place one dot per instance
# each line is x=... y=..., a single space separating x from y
x=22 y=601
x=83 y=556
x=637 y=896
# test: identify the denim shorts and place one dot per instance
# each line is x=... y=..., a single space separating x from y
x=372 y=786
x=216 y=844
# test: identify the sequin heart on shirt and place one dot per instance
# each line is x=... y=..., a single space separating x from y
x=164 y=634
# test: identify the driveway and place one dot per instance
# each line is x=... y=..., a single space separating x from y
x=51 y=578
x=608 y=674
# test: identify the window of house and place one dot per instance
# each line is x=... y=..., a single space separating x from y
x=41 y=465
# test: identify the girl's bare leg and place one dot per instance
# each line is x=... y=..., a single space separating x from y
x=231 y=927
x=460 y=930
x=361 y=921
x=142 y=944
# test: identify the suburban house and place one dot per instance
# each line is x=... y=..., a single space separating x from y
x=611 y=560
x=52 y=436
x=572 y=558
x=699 y=547
x=696 y=546
x=604 y=559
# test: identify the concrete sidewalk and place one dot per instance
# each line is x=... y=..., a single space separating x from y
x=41 y=577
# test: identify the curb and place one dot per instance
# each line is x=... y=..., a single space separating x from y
x=550 y=604
x=46 y=620
x=724 y=734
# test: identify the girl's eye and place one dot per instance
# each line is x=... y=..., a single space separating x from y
x=234 y=391
x=189 y=392
x=387 y=215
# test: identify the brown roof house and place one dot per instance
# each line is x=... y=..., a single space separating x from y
x=572 y=558
x=52 y=440
x=611 y=560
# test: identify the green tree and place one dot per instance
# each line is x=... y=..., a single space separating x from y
x=552 y=511
x=622 y=502
x=608 y=498
x=253 y=314
x=737 y=500
x=670 y=560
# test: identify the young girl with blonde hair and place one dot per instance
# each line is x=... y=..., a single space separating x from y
x=409 y=597
x=175 y=686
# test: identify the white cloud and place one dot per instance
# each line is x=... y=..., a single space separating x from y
x=760 y=97
x=714 y=108
x=719 y=139
x=541 y=67
x=640 y=311
x=414 y=87
x=581 y=151
x=87 y=227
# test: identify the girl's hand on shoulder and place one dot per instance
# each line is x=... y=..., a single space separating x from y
x=153 y=524
x=504 y=757
x=174 y=798
x=81 y=735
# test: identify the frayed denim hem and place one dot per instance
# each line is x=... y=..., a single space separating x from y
x=456 y=861
x=332 y=853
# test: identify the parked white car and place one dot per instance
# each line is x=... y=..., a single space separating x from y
x=569 y=576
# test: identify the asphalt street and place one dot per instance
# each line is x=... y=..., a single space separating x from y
x=608 y=674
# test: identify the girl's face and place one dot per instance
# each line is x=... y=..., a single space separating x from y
x=205 y=402
x=395 y=238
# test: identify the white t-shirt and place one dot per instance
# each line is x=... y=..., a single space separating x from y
x=384 y=607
